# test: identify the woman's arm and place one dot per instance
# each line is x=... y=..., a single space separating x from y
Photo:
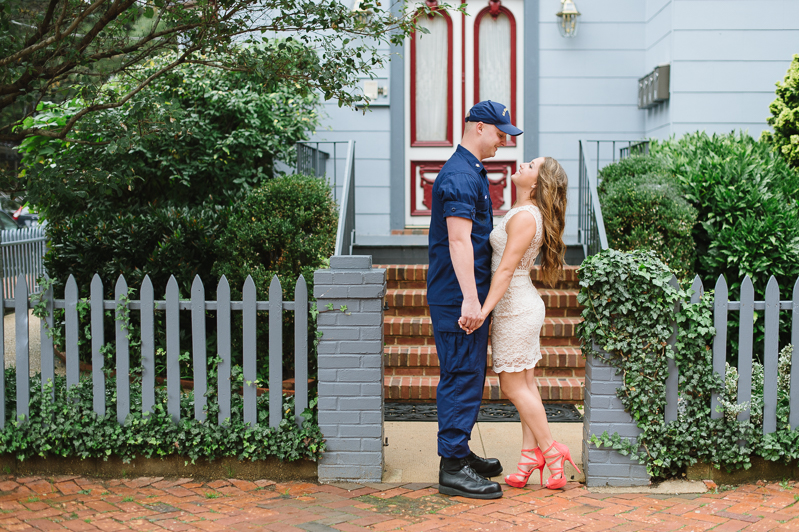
x=521 y=231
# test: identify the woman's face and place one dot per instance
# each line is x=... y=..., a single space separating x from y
x=527 y=174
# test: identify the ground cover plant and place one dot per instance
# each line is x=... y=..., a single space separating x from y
x=67 y=426
x=629 y=308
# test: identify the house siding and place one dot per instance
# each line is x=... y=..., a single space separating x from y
x=588 y=84
x=725 y=57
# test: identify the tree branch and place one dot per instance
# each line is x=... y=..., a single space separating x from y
x=28 y=50
x=61 y=133
x=44 y=27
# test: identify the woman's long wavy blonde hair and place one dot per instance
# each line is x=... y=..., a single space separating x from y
x=550 y=195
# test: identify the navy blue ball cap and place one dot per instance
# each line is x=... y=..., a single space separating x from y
x=489 y=112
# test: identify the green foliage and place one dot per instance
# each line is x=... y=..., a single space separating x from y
x=149 y=241
x=69 y=427
x=646 y=212
x=154 y=200
x=748 y=203
x=633 y=166
x=196 y=136
x=50 y=50
x=785 y=117
x=285 y=228
x=629 y=308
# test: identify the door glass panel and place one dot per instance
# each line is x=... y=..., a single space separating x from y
x=494 y=59
x=431 y=61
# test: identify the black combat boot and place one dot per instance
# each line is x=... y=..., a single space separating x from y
x=456 y=477
x=486 y=467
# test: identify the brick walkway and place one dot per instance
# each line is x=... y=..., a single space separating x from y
x=78 y=503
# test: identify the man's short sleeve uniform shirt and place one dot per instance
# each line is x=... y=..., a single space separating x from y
x=461 y=189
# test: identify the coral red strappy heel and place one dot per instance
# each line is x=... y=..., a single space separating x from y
x=556 y=462
x=536 y=460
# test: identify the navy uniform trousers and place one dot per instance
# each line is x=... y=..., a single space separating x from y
x=462 y=359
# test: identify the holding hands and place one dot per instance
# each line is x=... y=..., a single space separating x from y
x=471 y=325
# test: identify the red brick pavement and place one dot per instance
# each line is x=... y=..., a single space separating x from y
x=82 y=504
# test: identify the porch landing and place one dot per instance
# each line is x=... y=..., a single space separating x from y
x=411 y=452
x=409 y=246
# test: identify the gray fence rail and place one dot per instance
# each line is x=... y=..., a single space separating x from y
x=23 y=253
x=147 y=306
x=722 y=306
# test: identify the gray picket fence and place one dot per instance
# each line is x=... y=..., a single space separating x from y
x=722 y=307
x=23 y=253
x=147 y=306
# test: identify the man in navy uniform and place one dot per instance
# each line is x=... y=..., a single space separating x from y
x=458 y=280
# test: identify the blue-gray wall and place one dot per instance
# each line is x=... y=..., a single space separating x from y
x=371 y=132
x=725 y=57
x=588 y=84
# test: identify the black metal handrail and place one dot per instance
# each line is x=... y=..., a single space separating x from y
x=591 y=225
x=311 y=160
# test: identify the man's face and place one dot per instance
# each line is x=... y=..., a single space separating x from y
x=493 y=138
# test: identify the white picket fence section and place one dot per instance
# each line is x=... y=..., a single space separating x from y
x=771 y=307
x=23 y=253
x=147 y=306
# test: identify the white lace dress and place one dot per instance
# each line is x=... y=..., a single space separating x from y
x=519 y=315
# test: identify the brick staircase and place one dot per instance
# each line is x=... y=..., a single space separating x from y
x=411 y=364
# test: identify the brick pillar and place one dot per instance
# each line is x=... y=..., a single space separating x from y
x=351 y=368
x=604 y=412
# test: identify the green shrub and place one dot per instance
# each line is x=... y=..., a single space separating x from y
x=785 y=117
x=635 y=165
x=185 y=150
x=158 y=242
x=69 y=427
x=154 y=200
x=646 y=212
x=748 y=203
x=286 y=228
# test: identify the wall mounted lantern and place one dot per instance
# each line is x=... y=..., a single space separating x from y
x=568 y=18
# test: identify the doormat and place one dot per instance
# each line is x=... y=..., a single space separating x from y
x=491 y=412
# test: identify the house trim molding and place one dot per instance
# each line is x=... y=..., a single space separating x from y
x=531 y=81
x=397 y=135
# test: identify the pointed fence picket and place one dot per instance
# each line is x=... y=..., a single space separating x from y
x=171 y=307
x=746 y=308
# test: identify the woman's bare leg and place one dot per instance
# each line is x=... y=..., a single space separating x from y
x=527 y=401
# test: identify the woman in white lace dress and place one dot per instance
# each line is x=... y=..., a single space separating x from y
x=534 y=223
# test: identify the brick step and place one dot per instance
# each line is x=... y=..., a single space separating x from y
x=415 y=276
x=560 y=361
x=423 y=388
x=417 y=330
x=540 y=371
x=412 y=302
